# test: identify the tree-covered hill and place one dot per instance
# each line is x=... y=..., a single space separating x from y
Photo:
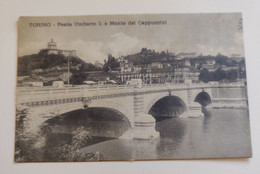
x=146 y=56
x=42 y=63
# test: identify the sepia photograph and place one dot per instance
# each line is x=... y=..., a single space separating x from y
x=131 y=87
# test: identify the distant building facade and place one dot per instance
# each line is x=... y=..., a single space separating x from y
x=183 y=74
x=126 y=66
x=156 y=72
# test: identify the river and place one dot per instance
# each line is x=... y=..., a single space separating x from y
x=221 y=133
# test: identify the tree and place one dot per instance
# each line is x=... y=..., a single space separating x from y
x=204 y=75
x=219 y=74
x=78 y=78
x=111 y=64
x=232 y=75
x=71 y=152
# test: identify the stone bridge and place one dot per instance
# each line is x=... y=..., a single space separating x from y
x=134 y=102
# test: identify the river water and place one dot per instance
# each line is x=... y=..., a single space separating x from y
x=221 y=133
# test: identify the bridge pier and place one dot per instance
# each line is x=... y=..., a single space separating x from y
x=194 y=110
x=145 y=127
x=144 y=124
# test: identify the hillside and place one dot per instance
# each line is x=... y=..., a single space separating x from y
x=44 y=63
x=146 y=56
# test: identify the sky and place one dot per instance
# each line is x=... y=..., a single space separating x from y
x=206 y=34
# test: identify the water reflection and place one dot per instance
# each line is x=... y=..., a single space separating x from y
x=207 y=119
x=172 y=132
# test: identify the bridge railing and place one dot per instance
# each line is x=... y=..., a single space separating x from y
x=48 y=93
x=80 y=88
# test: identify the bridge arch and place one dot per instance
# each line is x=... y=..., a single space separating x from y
x=98 y=121
x=118 y=106
x=203 y=98
x=173 y=105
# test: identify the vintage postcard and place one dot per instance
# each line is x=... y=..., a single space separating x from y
x=131 y=87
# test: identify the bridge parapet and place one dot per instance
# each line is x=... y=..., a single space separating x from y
x=57 y=95
x=44 y=94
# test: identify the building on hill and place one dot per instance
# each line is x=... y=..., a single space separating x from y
x=52 y=49
x=166 y=65
x=137 y=68
x=101 y=77
x=32 y=81
x=157 y=65
x=148 y=74
x=236 y=57
x=211 y=62
x=184 y=74
x=187 y=63
x=186 y=55
x=126 y=66
x=98 y=64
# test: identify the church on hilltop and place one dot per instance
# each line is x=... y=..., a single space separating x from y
x=52 y=49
